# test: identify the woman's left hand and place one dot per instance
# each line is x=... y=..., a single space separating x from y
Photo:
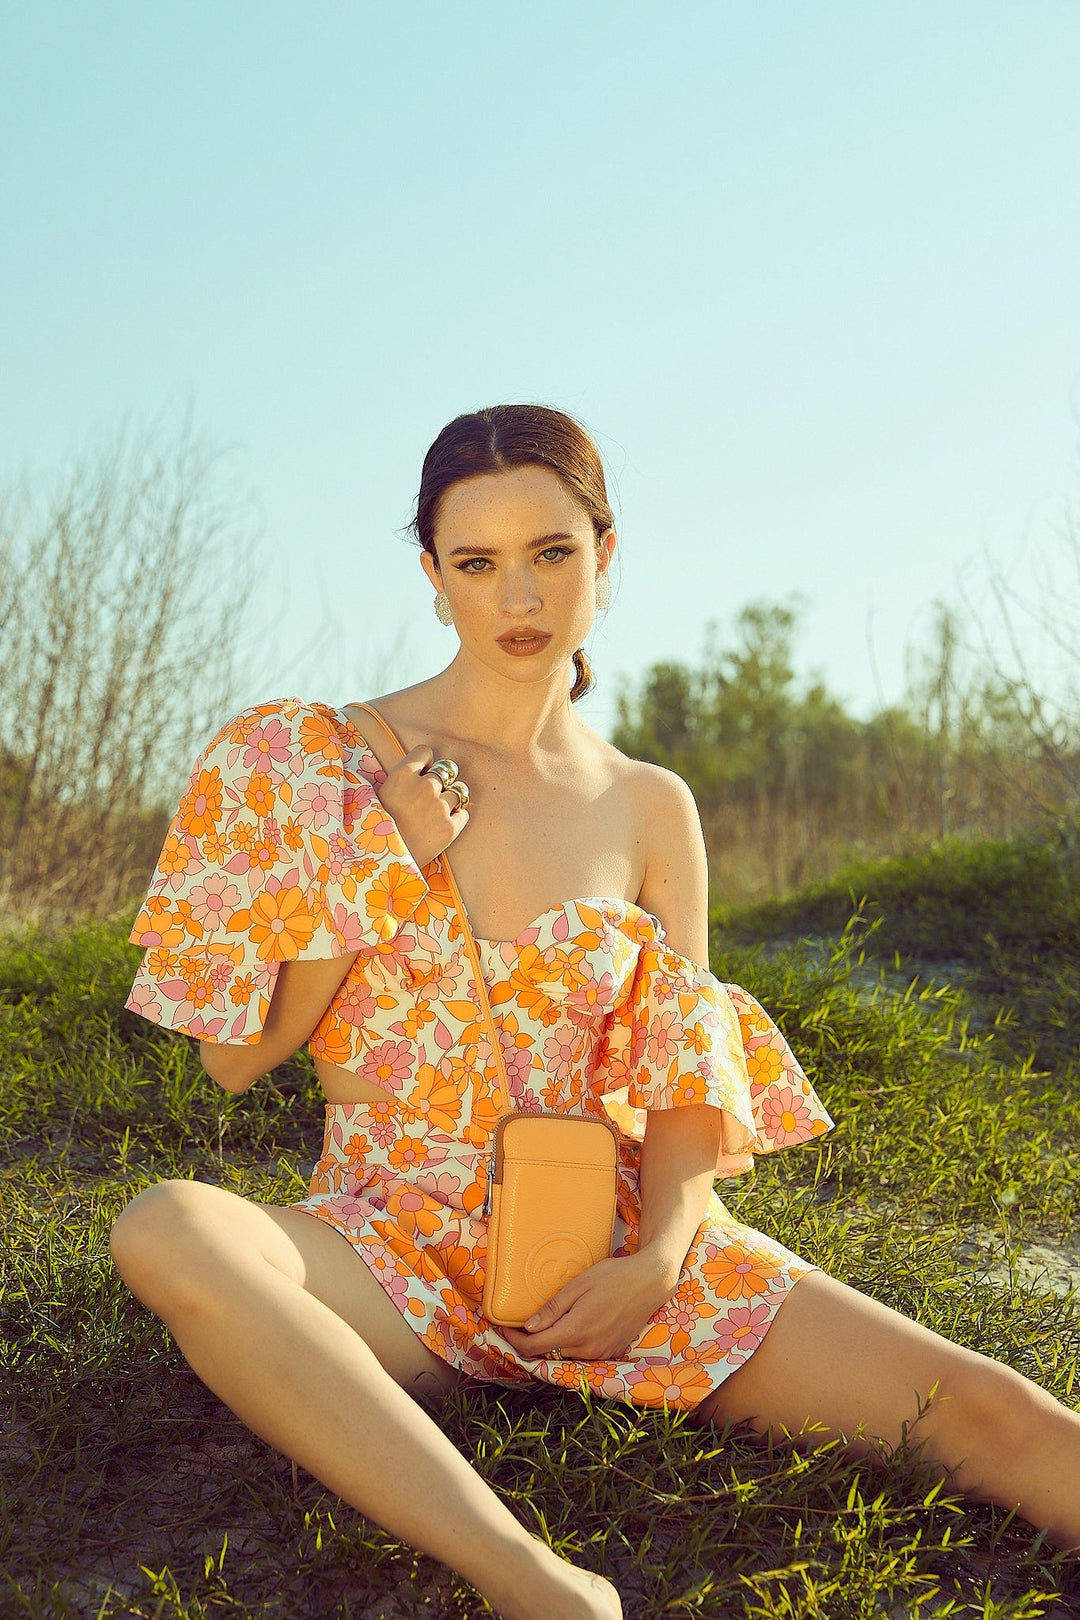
x=600 y=1314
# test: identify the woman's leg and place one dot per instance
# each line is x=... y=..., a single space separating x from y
x=834 y=1357
x=283 y=1320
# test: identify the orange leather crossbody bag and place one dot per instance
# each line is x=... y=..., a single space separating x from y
x=551 y=1178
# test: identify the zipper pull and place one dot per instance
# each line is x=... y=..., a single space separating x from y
x=490 y=1184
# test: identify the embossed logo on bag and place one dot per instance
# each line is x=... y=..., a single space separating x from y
x=555 y=1261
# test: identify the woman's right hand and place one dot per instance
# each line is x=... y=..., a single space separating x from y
x=427 y=818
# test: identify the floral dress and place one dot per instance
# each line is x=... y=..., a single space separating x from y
x=281 y=850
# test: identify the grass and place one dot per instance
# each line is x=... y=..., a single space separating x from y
x=126 y=1489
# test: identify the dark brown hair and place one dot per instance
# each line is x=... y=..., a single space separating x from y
x=504 y=436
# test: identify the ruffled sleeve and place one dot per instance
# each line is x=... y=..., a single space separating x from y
x=280 y=851
x=679 y=1037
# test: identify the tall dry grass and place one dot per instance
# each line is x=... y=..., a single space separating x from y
x=121 y=581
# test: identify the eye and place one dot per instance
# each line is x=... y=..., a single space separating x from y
x=561 y=551
x=467 y=568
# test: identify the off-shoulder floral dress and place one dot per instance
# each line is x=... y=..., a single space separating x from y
x=281 y=850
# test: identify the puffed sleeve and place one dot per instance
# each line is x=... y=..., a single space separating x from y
x=280 y=851
x=679 y=1037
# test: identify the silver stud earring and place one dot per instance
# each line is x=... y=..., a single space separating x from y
x=603 y=590
x=443 y=611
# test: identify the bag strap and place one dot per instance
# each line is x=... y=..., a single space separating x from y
x=463 y=918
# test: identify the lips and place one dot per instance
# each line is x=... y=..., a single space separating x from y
x=523 y=642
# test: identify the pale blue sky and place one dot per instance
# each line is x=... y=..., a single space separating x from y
x=811 y=274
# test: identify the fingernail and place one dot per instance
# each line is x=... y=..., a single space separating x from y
x=532 y=1324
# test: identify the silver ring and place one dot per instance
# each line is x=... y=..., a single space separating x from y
x=556 y=1355
x=444 y=769
x=461 y=789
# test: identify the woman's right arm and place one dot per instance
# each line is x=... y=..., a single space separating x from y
x=302 y=992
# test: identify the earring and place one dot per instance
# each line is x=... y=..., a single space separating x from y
x=443 y=611
x=603 y=590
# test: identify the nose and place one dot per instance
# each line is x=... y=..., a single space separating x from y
x=520 y=593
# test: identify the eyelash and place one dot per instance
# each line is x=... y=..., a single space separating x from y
x=464 y=568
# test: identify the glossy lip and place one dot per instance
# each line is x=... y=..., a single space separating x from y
x=513 y=637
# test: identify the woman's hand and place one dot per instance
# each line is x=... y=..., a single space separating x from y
x=427 y=817
x=600 y=1314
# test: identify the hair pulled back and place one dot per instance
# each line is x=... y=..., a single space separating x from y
x=501 y=437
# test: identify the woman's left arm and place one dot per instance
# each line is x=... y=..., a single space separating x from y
x=604 y=1310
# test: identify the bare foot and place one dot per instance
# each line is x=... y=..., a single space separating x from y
x=544 y=1586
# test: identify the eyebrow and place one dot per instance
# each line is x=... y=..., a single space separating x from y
x=486 y=551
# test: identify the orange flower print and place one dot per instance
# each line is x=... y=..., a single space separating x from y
x=786 y=1117
x=278 y=923
x=765 y=1065
x=436 y=1098
x=408 y=1153
x=696 y=1038
x=201 y=804
x=241 y=990
x=686 y=1089
x=674 y=1385
x=259 y=794
x=416 y=1020
x=175 y=857
x=357 y=1149
x=413 y=1212
x=392 y=897
x=291 y=835
x=318 y=736
x=215 y=848
x=244 y=835
x=735 y=1272
x=679 y=1319
x=330 y=1043
x=264 y=851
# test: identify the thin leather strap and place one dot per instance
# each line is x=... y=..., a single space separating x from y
x=470 y=942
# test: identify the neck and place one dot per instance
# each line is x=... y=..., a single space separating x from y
x=515 y=719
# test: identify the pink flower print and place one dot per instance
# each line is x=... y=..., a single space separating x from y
x=389 y=1064
x=663 y=1046
x=446 y=1189
x=206 y=1029
x=786 y=1117
x=663 y=989
x=357 y=1005
x=383 y=1125
x=561 y=1051
x=313 y=805
x=141 y=997
x=220 y=974
x=214 y=899
x=742 y=1329
x=517 y=1060
x=268 y=745
x=592 y=998
x=348 y=929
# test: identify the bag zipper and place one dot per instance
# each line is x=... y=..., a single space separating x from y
x=494 y=1158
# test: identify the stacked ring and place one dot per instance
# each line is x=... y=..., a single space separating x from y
x=444 y=769
x=462 y=791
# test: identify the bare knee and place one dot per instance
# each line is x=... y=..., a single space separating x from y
x=983 y=1414
x=151 y=1240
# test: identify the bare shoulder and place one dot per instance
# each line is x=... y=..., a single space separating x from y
x=676 y=884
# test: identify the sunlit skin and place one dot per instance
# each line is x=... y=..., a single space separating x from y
x=280 y=1316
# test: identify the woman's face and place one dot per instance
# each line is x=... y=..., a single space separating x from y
x=517 y=553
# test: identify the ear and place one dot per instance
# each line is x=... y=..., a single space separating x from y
x=431 y=568
x=605 y=548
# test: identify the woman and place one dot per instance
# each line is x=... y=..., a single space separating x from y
x=301 y=895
